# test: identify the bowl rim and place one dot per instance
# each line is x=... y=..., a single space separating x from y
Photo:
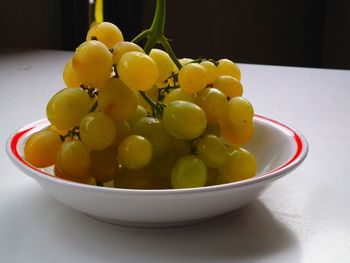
x=298 y=157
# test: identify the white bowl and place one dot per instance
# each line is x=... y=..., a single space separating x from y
x=278 y=148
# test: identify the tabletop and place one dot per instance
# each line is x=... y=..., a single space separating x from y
x=303 y=217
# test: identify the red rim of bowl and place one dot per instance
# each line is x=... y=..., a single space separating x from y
x=297 y=158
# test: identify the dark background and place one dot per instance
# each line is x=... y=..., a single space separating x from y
x=307 y=33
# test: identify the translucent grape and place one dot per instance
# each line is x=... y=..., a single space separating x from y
x=138 y=114
x=92 y=61
x=108 y=33
x=212 y=175
x=184 y=61
x=121 y=48
x=240 y=111
x=152 y=93
x=212 y=151
x=135 y=152
x=122 y=130
x=164 y=64
x=179 y=94
x=134 y=179
x=97 y=130
x=189 y=171
x=117 y=100
x=162 y=167
x=137 y=70
x=193 y=77
x=41 y=148
x=184 y=120
x=229 y=68
x=70 y=77
x=213 y=102
x=228 y=85
x=236 y=135
x=84 y=179
x=104 y=165
x=67 y=107
x=211 y=71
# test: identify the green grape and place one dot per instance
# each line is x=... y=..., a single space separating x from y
x=135 y=152
x=137 y=70
x=41 y=148
x=117 y=100
x=84 y=179
x=121 y=48
x=240 y=165
x=211 y=149
x=153 y=129
x=212 y=176
x=97 y=130
x=236 y=135
x=162 y=167
x=108 y=33
x=229 y=68
x=164 y=64
x=178 y=94
x=193 y=77
x=92 y=61
x=213 y=102
x=104 y=165
x=189 y=171
x=211 y=71
x=73 y=159
x=228 y=85
x=67 y=107
x=122 y=130
x=138 y=114
x=240 y=111
x=134 y=179
x=70 y=77
x=184 y=120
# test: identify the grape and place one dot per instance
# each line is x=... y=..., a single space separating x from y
x=121 y=48
x=164 y=64
x=180 y=147
x=41 y=148
x=97 y=131
x=153 y=129
x=108 y=33
x=240 y=165
x=212 y=175
x=137 y=70
x=70 y=77
x=236 y=135
x=161 y=169
x=138 y=114
x=193 y=77
x=135 y=152
x=212 y=151
x=104 y=165
x=84 y=179
x=92 y=61
x=211 y=71
x=213 y=128
x=184 y=120
x=228 y=85
x=117 y=100
x=240 y=111
x=213 y=102
x=152 y=93
x=189 y=171
x=67 y=107
x=73 y=159
x=229 y=68
x=134 y=179
x=178 y=94
x=184 y=61
x=122 y=130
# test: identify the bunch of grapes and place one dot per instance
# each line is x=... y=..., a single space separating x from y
x=133 y=117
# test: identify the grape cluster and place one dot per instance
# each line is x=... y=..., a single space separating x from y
x=142 y=120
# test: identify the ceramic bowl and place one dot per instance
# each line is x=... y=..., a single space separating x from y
x=278 y=148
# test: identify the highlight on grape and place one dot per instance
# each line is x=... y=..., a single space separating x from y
x=135 y=116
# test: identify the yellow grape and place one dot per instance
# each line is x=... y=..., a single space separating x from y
x=121 y=48
x=134 y=179
x=213 y=102
x=212 y=176
x=122 y=130
x=108 y=33
x=137 y=70
x=184 y=61
x=41 y=148
x=97 y=130
x=162 y=167
x=73 y=159
x=138 y=114
x=240 y=111
x=228 y=85
x=179 y=94
x=152 y=93
x=92 y=61
x=212 y=151
x=213 y=128
x=239 y=166
x=236 y=135
x=70 y=77
x=229 y=68
x=84 y=179
x=184 y=120
x=135 y=152
x=117 y=100
x=164 y=63
x=192 y=77
x=211 y=71
x=67 y=107
x=189 y=171
x=104 y=165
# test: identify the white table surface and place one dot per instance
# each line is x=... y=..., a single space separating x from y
x=303 y=217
